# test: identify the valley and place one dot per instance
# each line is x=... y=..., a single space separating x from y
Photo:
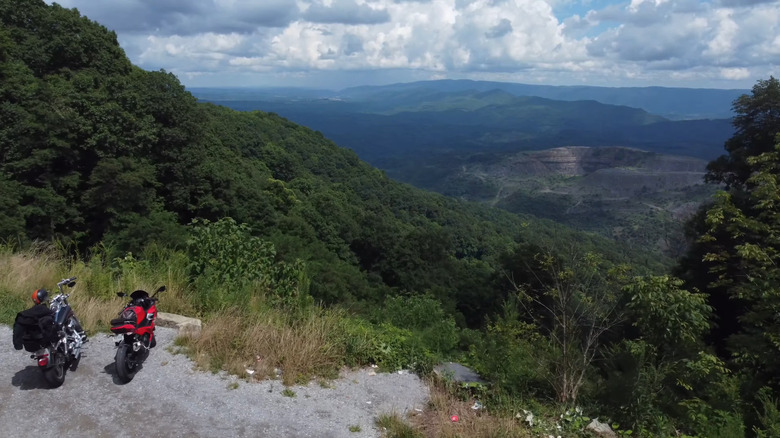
x=619 y=171
x=627 y=194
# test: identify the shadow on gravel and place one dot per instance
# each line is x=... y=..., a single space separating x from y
x=110 y=369
x=30 y=378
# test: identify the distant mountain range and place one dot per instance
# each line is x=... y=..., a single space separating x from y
x=671 y=103
x=426 y=120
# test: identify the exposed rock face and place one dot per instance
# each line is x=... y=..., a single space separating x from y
x=632 y=195
x=580 y=160
x=607 y=171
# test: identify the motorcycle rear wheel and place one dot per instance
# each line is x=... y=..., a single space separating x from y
x=55 y=374
x=125 y=368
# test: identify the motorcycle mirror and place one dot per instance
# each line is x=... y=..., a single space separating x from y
x=161 y=289
x=121 y=294
x=71 y=284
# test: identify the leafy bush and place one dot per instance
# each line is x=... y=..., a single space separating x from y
x=389 y=347
x=512 y=355
x=228 y=264
x=769 y=415
x=425 y=318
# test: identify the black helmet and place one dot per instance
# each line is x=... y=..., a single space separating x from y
x=40 y=295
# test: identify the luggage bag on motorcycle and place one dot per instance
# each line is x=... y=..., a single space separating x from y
x=33 y=328
x=126 y=322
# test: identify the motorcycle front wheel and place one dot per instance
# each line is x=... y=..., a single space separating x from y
x=125 y=367
x=74 y=361
x=55 y=374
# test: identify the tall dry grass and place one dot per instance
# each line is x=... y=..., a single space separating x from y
x=21 y=273
x=301 y=348
x=94 y=297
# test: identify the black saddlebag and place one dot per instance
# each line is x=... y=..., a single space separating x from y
x=33 y=328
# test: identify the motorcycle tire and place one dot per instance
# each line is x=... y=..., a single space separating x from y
x=74 y=363
x=55 y=374
x=125 y=368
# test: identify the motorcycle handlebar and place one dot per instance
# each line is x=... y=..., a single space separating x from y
x=67 y=281
x=70 y=282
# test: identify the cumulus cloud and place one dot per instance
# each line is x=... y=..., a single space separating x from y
x=345 y=12
x=742 y=3
x=684 y=36
x=735 y=73
x=502 y=28
x=499 y=39
x=191 y=17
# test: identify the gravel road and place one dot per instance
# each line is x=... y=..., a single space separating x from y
x=169 y=398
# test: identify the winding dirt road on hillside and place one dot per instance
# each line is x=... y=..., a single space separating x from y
x=168 y=398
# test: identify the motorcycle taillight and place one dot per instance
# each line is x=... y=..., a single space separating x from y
x=43 y=360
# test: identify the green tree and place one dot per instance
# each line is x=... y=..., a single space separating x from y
x=11 y=219
x=717 y=233
x=757 y=121
x=662 y=368
x=576 y=309
x=744 y=247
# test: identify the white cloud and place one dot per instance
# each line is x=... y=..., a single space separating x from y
x=726 y=30
x=742 y=3
x=187 y=17
x=344 y=11
x=735 y=73
x=628 y=41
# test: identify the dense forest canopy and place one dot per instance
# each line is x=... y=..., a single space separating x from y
x=104 y=157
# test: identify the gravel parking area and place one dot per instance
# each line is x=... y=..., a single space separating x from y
x=169 y=398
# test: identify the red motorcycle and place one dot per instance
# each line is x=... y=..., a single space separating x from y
x=134 y=329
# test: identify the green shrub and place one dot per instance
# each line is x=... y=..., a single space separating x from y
x=228 y=265
x=768 y=415
x=513 y=356
x=385 y=345
x=706 y=422
x=424 y=317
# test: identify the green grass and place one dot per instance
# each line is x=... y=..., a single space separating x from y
x=394 y=427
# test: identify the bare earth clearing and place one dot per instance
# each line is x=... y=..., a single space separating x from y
x=169 y=398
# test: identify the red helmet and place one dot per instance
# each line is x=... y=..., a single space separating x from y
x=40 y=295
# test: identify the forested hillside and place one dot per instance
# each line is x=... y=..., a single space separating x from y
x=94 y=150
x=271 y=232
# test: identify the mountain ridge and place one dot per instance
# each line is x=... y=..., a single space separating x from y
x=671 y=102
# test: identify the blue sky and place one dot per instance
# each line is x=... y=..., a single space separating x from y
x=340 y=43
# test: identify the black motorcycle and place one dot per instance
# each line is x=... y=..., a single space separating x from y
x=54 y=334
